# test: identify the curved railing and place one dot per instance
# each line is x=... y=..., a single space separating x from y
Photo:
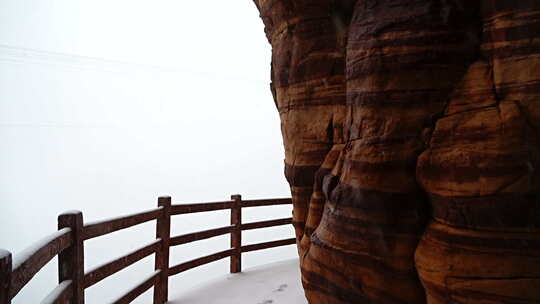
x=68 y=244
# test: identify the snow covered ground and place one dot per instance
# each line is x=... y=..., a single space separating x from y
x=275 y=283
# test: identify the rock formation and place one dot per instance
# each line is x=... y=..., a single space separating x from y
x=411 y=133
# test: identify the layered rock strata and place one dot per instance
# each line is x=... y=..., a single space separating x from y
x=411 y=131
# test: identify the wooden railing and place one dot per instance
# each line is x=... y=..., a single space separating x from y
x=68 y=244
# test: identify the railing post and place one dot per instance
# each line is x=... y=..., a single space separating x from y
x=5 y=276
x=163 y=231
x=236 y=234
x=71 y=260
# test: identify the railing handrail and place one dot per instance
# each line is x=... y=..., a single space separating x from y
x=68 y=244
x=34 y=258
x=100 y=228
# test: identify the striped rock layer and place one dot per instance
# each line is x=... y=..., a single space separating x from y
x=411 y=132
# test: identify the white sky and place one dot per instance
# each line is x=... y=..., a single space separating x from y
x=104 y=105
x=222 y=38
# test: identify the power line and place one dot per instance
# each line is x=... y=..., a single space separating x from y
x=14 y=54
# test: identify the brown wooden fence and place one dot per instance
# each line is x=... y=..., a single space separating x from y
x=68 y=244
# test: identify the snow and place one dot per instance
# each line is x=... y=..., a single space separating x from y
x=70 y=212
x=119 y=217
x=275 y=283
x=26 y=254
x=56 y=292
x=4 y=253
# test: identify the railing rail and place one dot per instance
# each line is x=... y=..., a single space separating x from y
x=95 y=229
x=33 y=259
x=68 y=244
x=61 y=294
x=104 y=271
x=150 y=282
x=201 y=235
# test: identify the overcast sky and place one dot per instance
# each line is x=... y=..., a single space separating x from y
x=222 y=38
x=104 y=105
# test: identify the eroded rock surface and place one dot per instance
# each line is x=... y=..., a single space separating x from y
x=411 y=131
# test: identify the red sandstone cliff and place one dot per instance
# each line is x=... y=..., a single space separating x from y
x=412 y=146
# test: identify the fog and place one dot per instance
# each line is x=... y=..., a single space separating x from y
x=105 y=105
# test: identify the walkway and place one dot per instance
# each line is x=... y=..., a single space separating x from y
x=276 y=283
